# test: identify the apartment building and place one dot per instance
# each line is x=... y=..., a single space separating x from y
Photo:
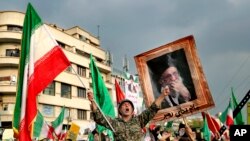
x=68 y=88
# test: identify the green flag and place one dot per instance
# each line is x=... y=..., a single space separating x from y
x=238 y=120
x=101 y=93
x=90 y=137
x=206 y=131
x=170 y=124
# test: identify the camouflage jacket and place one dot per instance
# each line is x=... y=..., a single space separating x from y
x=130 y=130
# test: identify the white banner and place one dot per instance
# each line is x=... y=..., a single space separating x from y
x=132 y=91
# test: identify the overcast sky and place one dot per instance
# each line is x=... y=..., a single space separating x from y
x=221 y=29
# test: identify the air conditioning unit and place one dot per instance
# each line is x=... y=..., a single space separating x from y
x=13 y=79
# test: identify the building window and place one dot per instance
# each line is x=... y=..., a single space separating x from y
x=86 y=55
x=93 y=44
x=99 y=60
x=66 y=112
x=80 y=52
x=8 y=107
x=48 y=110
x=81 y=114
x=81 y=71
x=61 y=44
x=91 y=116
x=14 y=28
x=81 y=92
x=82 y=38
x=50 y=90
x=13 y=52
x=5 y=107
x=65 y=90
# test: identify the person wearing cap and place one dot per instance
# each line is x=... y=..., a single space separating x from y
x=127 y=126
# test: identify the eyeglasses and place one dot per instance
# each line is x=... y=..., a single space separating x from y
x=168 y=77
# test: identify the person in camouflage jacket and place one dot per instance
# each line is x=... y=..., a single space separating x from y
x=127 y=127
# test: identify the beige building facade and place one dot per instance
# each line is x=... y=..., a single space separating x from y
x=68 y=88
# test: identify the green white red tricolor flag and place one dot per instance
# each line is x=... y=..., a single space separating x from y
x=41 y=61
x=230 y=119
x=58 y=123
x=42 y=129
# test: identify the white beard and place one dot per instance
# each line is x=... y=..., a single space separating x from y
x=174 y=94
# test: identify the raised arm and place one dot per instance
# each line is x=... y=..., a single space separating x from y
x=149 y=113
x=93 y=105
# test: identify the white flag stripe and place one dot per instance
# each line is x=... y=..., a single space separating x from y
x=24 y=91
x=41 y=42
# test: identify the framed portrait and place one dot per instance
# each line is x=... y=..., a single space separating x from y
x=177 y=67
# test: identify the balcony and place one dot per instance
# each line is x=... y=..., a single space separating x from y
x=8 y=88
x=78 y=59
x=10 y=36
x=9 y=61
x=6 y=115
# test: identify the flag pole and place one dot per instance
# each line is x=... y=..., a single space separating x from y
x=189 y=129
x=94 y=101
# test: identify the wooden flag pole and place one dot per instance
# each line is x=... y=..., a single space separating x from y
x=189 y=129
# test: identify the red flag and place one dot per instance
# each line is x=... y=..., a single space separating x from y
x=213 y=125
x=119 y=93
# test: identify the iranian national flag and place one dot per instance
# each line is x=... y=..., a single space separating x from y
x=58 y=123
x=41 y=128
x=230 y=119
x=63 y=135
x=41 y=61
x=227 y=116
x=238 y=120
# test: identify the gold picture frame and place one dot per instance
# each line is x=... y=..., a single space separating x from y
x=182 y=52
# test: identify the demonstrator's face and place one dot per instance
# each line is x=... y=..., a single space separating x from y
x=126 y=109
